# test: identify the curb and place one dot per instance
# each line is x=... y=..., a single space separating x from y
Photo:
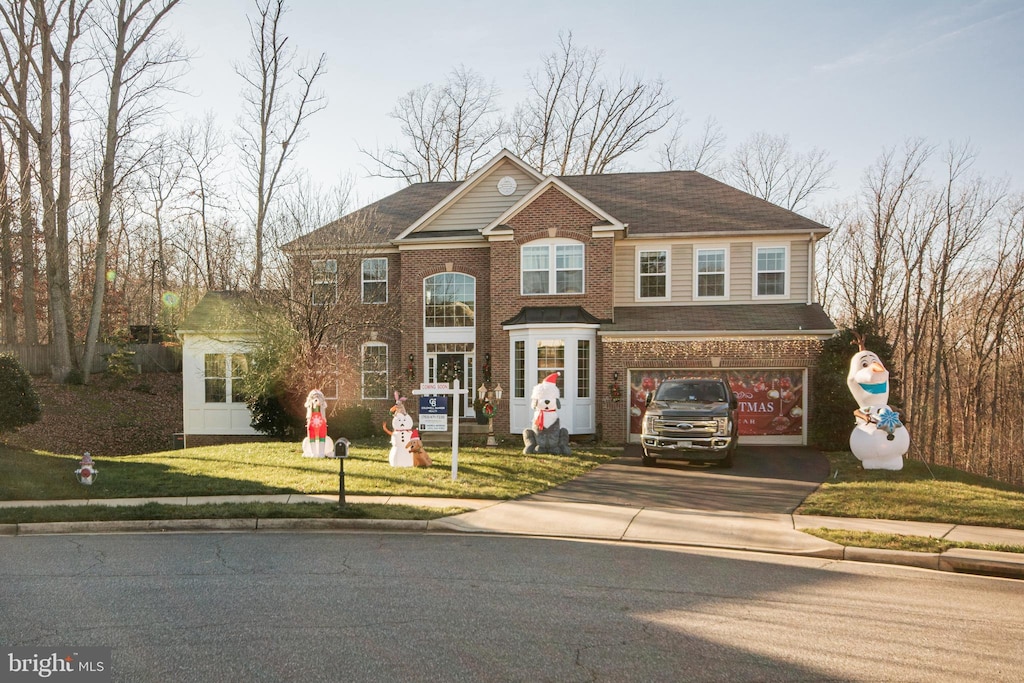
x=957 y=560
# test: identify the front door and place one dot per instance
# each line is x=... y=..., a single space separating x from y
x=452 y=366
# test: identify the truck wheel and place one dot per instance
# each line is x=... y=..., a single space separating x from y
x=726 y=462
x=648 y=460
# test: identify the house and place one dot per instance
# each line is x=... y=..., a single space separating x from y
x=215 y=338
x=616 y=281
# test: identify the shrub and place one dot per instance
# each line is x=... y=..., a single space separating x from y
x=19 y=402
x=832 y=420
x=351 y=422
x=270 y=417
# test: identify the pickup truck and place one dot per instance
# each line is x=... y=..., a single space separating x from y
x=690 y=419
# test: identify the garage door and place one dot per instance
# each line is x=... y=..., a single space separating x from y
x=772 y=401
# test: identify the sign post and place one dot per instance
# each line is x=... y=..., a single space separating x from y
x=456 y=392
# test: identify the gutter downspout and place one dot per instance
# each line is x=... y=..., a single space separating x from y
x=810 y=270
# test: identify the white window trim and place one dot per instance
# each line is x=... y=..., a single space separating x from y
x=230 y=375
x=696 y=274
x=363 y=280
x=446 y=332
x=551 y=244
x=363 y=370
x=788 y=271
x=316 y=282
x=668 y=272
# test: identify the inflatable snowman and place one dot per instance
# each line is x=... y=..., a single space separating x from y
x=400 y=433
x=879 y=440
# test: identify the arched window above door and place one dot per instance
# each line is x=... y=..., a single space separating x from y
x=449 y=300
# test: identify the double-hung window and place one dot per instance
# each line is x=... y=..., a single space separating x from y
x=710 y=273
x=552 y=267
x=375 y=281
x=375 y=370
x=223 y=375
x=325 y=282
x=770 y=267
x=652 y=272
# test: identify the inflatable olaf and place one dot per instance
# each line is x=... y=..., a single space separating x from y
x=879 y=440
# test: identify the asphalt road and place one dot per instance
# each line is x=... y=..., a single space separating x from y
x=763 y=479
x=432 y=607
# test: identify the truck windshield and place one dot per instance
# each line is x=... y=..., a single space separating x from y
x=695 y=392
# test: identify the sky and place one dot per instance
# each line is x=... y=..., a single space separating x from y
x=852 y=78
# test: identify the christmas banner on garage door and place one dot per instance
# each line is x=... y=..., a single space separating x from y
x=771 y=402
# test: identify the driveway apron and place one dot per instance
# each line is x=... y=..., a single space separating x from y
x=763 y=479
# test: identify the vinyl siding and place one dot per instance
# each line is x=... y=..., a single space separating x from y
x=483 y=203
x=741 y=272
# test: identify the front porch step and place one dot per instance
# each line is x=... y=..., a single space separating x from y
x=466 y=428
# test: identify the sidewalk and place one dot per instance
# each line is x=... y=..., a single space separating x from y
x=772 y=533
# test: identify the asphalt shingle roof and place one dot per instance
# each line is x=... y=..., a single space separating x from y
x=665 y=202
x=535 y=315
x=721 y=318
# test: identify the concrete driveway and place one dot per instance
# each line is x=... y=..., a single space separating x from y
x=763 y=479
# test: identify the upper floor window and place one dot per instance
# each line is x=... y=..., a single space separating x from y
x=552 y=267
x=652 y=270
x=770 y=266
x=449 y=300
x=710 y=273
x=375 y=281
x=375 y=370
x=325 y=282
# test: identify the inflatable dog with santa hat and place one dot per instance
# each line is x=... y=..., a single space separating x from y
x=546 y=434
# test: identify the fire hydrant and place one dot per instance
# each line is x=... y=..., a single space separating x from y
x=86 y=471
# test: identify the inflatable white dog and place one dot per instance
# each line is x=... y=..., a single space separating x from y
x=317 y=444
x=546 y=434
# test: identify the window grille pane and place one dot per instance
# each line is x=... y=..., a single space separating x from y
x=711 y=261
x=535 y=282
x=535 y=258
x=771 y=284
x=449 y=300
x=711 y=285
x=519 y=369
x=583 y=368
x=653 y=262
x=771 y=259
x=569 y=256
x=375 y=371
x=569 y=282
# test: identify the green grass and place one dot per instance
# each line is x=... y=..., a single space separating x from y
x=919 y=544
x=917 y=493
x=155 y=511
x=277 y=467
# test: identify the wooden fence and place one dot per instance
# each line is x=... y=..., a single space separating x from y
x=147 y=357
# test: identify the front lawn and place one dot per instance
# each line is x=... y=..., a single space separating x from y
x=917 y=493
x=278 y=467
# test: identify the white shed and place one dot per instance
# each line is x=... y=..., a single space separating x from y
x=216 y=339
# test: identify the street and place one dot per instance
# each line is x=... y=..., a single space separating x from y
x=437 y=607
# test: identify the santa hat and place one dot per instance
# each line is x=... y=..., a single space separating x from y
x=552 y=378
x=415 y=434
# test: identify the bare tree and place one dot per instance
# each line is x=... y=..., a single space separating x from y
x=576 y=122
x=9 y=321
x=448 y=130
x=702 y=154
x=203 y=147
x=139 y=66
x=50 y=65
x=19 y=43
x=768 y=167
x=273 y=123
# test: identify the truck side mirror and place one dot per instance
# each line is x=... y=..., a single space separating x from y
x=650 y=399
x=733 y=403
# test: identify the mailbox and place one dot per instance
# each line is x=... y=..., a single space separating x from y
x=341 y=454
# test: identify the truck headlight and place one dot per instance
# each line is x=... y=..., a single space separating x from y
x=721 y=425
x=649 y=423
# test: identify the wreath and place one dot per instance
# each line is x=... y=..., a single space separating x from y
x=490 y=410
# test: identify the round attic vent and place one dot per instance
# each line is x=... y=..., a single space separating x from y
x=507 y=185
